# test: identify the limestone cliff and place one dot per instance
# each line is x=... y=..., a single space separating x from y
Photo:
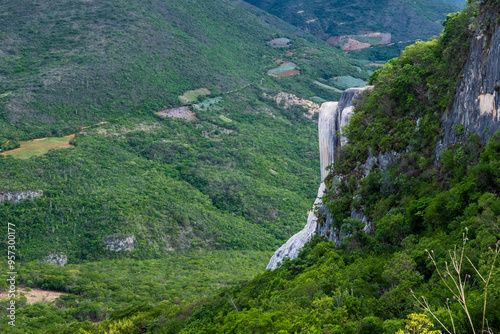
x=476 y=103
x=333 y=116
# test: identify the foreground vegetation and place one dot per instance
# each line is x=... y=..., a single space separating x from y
x=96 y=291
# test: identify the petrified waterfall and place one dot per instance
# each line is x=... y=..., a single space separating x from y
x=333 y=116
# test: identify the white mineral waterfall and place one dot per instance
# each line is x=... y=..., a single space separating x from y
x=327 y=127
x=327 y=136
x=292 y=247
x=333 y=116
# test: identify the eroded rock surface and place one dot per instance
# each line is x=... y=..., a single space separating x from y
x=56 y=258
x=120 y=244
x=477 y=100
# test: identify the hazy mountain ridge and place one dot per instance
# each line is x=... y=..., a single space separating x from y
x=404 y=20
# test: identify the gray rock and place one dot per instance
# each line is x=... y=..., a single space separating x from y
x=120 y=244
x=476 y=104
x=292 y=247
x=56 y=258
x=15 y=197
x=381 y=161
x=327 y=137
x=333 y=116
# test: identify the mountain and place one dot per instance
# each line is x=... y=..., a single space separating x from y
x=66 y=65
x=170 y=144
x=356 y=25
x=409 y=226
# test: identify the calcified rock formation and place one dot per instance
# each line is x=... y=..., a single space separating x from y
x=292 y=247
x=333 y=116
x=476 y=105
x=15 y=197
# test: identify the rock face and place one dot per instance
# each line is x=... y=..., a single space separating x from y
x=476 y=104
x=118 y=244
x=381 y=161
x=56 y=258
x=332 y=117
x=327 y=137
x=15 y=197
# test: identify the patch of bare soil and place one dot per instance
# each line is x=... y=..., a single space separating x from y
x=35 y=295
x=286 y=73
x=178 y=112
x=353 y=44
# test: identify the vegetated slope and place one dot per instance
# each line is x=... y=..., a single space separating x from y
x=418 y=208
x=404 y=20
x=70 y=64
x=237 y=175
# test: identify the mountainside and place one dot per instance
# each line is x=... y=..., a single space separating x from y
x=355 y=25
x=174 y=134
x=71 y=64
x=168 y=142
x=477 y=100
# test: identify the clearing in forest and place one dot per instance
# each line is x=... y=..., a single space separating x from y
x=286 y=69
x=178 y=112
x=345 y=82
x=279 y=43
x=35 y=295
x=192 y=95
x=39 y=146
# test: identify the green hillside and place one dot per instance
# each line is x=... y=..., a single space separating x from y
x=152 y=133
x=70 y=64
x=239 y=173
x=405 y=20
x=184 y=174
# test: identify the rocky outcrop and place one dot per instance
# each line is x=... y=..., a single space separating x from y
x=333 y=116
x=327 y=138
x=381 y=161
x=15 y=197
x=289 y=100
x=476 y=104
x=120 y=244
x=56 y=258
